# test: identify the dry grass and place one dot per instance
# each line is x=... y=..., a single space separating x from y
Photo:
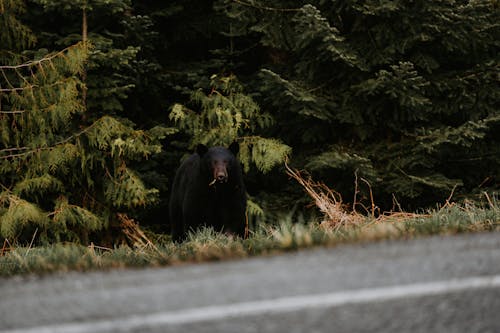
x=328 y=202
x=343 y=218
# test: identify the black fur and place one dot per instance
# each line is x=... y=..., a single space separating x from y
x=208 y=190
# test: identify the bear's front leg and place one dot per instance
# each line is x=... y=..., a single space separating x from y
x=194 y=216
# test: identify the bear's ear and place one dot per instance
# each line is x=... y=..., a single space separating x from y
x=234 y=148
x=201 y=149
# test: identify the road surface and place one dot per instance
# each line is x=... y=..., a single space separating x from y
x=436 y=284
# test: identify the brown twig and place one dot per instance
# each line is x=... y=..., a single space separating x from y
x=490 y=202
x=372 y=201
x=247 y=228
x=92 y=246
x=451 y=194
x=395 y=203
x=6 y=247
x=356 y=191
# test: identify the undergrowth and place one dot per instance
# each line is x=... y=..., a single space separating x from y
x=338 y=226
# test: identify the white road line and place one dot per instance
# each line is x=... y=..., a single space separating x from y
x=271 y=306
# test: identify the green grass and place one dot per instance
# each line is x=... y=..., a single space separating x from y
x=207 y=245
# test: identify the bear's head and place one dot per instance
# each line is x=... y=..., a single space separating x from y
x=218 y=162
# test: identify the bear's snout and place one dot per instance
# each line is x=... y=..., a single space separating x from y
x=220 y=176
x=219 y=171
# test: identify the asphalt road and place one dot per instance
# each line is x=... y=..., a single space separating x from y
x=437 y=284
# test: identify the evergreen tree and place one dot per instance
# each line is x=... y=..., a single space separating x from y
x=111 y=69
x=404 y=94
x=61 y=175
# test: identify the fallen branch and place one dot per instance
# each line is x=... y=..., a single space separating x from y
x=327 y=200
x=134 y=233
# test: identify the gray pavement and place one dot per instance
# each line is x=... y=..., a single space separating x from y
x=436 y=284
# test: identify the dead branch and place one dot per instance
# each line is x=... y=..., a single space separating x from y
x=328 y=201
x=134 y=233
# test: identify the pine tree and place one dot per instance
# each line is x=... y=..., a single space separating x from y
x=63 y=177
x=111 y=69
x=404 y=94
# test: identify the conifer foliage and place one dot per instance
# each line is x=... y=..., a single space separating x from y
x=225 y=115
x=15 y=35
x=109 y=71
x=62 y=178
x=402 y=93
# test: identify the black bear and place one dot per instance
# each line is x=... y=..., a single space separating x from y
x=208 y=190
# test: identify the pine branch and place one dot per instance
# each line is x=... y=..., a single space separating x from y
x=38 y=149
x=40 y=61
x=274 y=9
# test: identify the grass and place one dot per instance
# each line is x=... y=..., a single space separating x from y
x=208 y=245
x=339 y=226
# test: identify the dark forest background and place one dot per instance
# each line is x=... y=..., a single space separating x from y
x=100 y=100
